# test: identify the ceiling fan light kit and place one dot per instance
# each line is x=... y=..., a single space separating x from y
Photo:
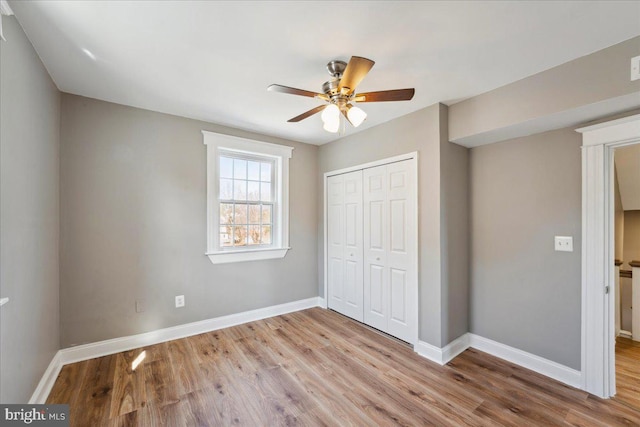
x=340 y=95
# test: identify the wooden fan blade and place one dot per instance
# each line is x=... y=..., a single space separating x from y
x=386 y=95
x=356 y=70
x=294 y=91
x=307 y=114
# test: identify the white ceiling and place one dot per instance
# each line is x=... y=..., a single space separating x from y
x=214 y=60
x=628 y=170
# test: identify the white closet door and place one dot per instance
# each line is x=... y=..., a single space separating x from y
x=390 y=261
x=402 y=251
x=376 y=229
x=345 y=244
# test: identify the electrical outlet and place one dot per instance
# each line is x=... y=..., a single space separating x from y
x=635 y=68
x=564 y=243
x=179 y=301
x=139 y=306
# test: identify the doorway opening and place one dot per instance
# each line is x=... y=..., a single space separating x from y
x=598 y=270
x=626 y=237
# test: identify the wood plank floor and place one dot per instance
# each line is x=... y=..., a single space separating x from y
x=628 y=371
x=316 y=367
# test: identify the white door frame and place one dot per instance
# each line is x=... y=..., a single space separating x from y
x=408 y=156
x=598 y=310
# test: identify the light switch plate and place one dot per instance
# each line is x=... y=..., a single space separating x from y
x=179 y=301
x=564 y=243
x=635 y=68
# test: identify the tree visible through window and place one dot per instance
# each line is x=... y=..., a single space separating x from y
x=246 y=199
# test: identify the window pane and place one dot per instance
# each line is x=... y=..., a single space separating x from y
x=254 y=214
x=226 y=167
x=266 y=214
x=254 y=234
x=241 y=215
x=225 y=236
x=266 y=235
x=265 y=191
x=239 y=190
x=239 y=169
x=226 y=213
x=253 y=170
x=226 y=189
x=265 y=171
x=253 y=190
x=240 y=235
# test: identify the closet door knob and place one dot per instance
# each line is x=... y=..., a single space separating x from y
x=377 y=258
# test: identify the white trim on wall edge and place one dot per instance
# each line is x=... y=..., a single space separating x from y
x=530 y=361
x=45 y=385
x=625 y=334
x=117 y=345
x=444 y=355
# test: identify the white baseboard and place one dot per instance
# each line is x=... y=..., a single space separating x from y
x=429 y=351
x=625 y=334
x=538 y=364
x=443 y=355
x=116 y=345
x=436 y=354
x=48 y=379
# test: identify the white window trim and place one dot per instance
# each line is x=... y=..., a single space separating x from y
x=216 y=142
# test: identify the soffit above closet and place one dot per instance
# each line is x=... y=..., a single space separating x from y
x=214 y=60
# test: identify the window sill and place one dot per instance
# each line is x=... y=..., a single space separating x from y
x=225 y=257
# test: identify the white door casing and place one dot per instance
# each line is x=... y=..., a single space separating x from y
x=344 y=218
x=598 y=323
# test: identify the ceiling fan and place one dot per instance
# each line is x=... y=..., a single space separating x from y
x=340 y=94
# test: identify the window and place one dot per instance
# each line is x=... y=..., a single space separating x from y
x=247 y=199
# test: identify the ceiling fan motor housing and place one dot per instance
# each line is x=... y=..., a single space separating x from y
x=331 y=87
x=336 y=68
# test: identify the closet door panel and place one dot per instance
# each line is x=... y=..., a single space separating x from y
x=345 y=247
x=353 y=245
x=335 y=249
x=376 y=313
x=376 y=275
x=401 y=255
x=398 y=296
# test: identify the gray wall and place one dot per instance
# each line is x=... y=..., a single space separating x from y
x=618 y=219
x=631 y=238
x=133 y=226
x=524 y=294
x=454 y=234
x=29 y=216
x=421 y=131
x=601 y=76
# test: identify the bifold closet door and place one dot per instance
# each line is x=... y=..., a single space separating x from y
x=390 y=270
x=344 y=244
